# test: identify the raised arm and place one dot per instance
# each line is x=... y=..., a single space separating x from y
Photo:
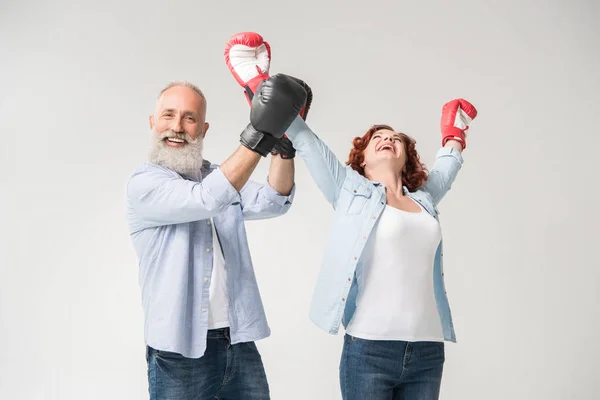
x=456 y=117
x=273 y=198
x=281 y=171
x=262 y=201
x=324 y=167
x=159 y=197
x=447 y=164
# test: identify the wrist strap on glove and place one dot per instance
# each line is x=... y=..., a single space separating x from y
x=256 y=141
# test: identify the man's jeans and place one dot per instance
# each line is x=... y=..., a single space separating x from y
x=385 y=369
x=225 y=371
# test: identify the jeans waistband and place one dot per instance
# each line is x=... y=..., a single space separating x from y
x=221 y=333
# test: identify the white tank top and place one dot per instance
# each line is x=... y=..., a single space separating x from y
x=396 y=299
x=218 y=310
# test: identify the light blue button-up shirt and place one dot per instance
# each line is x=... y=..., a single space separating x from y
x=168 y=218
x=358 y=203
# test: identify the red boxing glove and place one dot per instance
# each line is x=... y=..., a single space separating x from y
x=248 y=57
x=456 y=116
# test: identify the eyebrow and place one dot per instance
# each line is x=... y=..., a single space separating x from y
x=394 y=135
x=185 y=113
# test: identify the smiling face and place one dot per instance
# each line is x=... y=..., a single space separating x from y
x=179 y=127
x=385 y=148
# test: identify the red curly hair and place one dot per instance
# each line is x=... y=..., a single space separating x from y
x=414 y=173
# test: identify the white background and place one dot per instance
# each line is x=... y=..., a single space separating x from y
x=521 y=225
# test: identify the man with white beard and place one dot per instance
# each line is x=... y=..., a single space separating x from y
x=201 y=302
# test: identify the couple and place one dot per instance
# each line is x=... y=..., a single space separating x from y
x=382 y=273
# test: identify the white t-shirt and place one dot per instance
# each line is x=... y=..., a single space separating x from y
x=396 y=299
x=218 y=310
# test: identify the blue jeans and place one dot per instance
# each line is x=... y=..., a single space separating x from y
x=225 y=371
x=386 y=369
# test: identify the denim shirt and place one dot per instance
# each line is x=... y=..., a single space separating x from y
x=169 y=221
x=358 y=203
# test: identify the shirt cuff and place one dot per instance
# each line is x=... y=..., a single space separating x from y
x=274 y=196
x=220 y=188
x=297 y=129
x=450 y=152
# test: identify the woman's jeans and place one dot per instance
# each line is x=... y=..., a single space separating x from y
x=386 y=369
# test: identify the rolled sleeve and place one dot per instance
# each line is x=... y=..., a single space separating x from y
x=221 y=188
x=262 y=201
x=450 y=152
x=274 y=196
x=157 y=196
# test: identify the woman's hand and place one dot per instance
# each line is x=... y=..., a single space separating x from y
x=457 y=114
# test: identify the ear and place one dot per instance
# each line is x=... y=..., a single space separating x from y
x=151 y=120
x=206 y=126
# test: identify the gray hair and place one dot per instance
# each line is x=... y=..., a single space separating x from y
x=184 y=84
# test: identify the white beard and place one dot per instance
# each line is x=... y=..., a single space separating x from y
x=186 y=160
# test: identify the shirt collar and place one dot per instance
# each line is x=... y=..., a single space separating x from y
x=379 y=184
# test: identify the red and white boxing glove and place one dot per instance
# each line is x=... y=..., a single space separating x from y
x=248 y=57
x=457 y=114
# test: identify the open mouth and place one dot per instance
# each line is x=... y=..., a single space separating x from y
x=175 y=142
x=386 y=147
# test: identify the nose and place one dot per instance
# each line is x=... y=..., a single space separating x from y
x=177 y=125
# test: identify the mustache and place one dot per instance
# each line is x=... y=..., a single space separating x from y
x=176 y=135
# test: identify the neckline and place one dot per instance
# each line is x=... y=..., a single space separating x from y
x=421 y=208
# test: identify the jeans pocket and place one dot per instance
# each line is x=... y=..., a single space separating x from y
x=349 y=338
x=167 y=354
x=353 y=339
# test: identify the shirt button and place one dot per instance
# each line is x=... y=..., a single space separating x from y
x=203 y=309
x=343 y=299
x=355 y=258
x=349 y=280
x=205 y=279
x=208 y=250
x=207 y=222
x=374 y=217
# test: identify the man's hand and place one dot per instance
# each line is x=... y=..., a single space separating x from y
x=274 y=107
x=284 y=148
x=248 y=57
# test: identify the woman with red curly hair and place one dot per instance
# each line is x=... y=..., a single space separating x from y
x=382 y=274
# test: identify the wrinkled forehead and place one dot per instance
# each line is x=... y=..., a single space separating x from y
x=181 y=99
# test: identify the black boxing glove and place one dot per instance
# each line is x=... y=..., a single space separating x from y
x=277 y=102
x=284 y=146
x=309 y=97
